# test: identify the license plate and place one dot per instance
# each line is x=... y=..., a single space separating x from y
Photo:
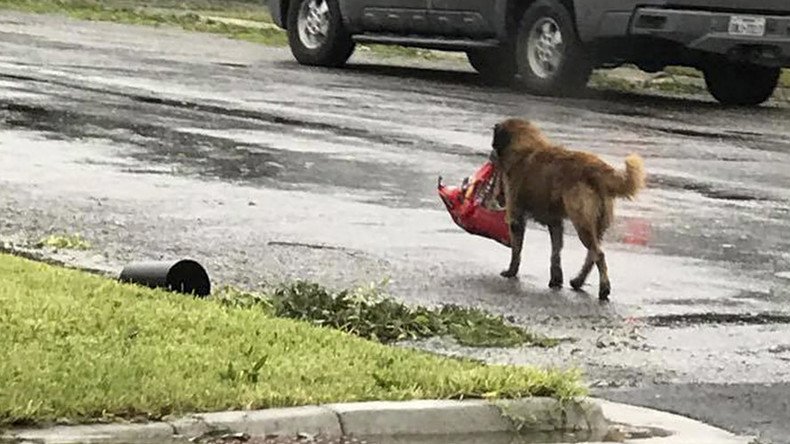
x=747 y=26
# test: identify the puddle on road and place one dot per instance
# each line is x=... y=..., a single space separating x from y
x=315 y=159
x=713 y=191
x=676 y=320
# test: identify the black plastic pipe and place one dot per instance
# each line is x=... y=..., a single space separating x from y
x=182 y=276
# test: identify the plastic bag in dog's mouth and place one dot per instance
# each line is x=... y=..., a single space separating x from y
x=478 y=205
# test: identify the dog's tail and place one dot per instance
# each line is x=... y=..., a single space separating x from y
x=628 y=182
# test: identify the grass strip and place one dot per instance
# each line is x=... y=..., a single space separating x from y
x=153 y=14
x=194 y=15
x=81 y=348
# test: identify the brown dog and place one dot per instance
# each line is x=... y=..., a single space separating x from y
x=549 y=183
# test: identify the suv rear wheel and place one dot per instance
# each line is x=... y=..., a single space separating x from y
x=496 y=66
x=316 y=33
x=549 y=54
x=741 y=84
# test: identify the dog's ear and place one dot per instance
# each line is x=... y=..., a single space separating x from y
x=501 y=138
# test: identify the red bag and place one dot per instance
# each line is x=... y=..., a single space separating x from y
x=477 y=205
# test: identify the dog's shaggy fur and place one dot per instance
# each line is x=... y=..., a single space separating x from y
x=549 y=183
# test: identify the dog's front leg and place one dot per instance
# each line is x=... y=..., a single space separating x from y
x=555 y=231
x=517 y=225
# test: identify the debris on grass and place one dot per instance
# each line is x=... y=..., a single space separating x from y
x=368 y=313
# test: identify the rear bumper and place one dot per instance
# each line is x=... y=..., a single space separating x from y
x=709 y=32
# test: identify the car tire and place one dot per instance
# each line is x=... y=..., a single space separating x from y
x=551 y=59
x=496 y=66
x=741 y=84
x=316 y=33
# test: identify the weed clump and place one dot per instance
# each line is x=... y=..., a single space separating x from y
x=368 y=313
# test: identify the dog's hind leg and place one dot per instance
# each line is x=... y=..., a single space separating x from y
x=581 y=206
x=589 y=242
x=595 y=256
x=604 y=286
x=555 y=231
x=605 y=218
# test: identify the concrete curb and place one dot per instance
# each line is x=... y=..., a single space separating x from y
x=590 y=418
x=683 y=430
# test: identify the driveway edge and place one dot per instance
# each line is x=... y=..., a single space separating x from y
x=594 y=418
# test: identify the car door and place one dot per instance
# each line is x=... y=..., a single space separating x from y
x=465 y=18
x=387 y=16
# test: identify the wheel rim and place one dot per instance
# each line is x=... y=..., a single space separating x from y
x=313 y=23
x=545 y=48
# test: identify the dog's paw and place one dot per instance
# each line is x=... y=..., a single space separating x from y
x=577 y=283
x=509 y=274
x=555 y=283
x=604 y=291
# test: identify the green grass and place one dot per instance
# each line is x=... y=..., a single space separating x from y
x=155 y=14
x=675 y=82
x=253 y=10
x=190 y=15
x=683 y=71
x=64 y=242
x=78 y=347
x=602 y=80
x=784 y=79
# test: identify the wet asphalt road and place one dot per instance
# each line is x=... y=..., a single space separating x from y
x=158 y=143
